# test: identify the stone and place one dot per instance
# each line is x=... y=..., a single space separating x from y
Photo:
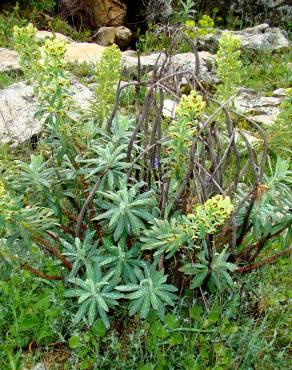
x=274 y=12
x=95 y=13
x=262 y=109
x=281 y=93
x=255 y=39
x=108 y=12
x=41 y=35
x=18 y=107
x=83 y=52
x=123 y=36
x=186 y=61
x=265 y=119
x=272 y=39
x=107 y=36
x=77 y=52
x=38 y=366
x=9 y=60
x=169 y=108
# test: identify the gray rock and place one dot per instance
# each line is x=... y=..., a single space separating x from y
x=274 y=12
x=281 y=93
x=42 y=35
x=40 y=366
x=255 y=39
x=106 y=36
x=83 y=52
x=261 y=109
x=18 y=107
x=183 y=61
x=9 y=60
x=169 y=108
x=95 y=12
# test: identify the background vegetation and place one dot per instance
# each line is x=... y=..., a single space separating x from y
x=132 y=240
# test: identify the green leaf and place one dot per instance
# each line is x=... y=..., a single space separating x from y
x=158 y=330
x=74 y=342
x=175 y=339
x=196 y=312
x=99 y=328
x=199 y=279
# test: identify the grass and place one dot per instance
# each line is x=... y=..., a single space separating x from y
x=247 y=330
x=8 y=78
x=267 y=72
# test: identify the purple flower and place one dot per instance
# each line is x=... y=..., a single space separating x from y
x=155 y=163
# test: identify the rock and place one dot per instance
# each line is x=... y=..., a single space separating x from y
x=186 y=61
x=9 y=60
x=107 y=36
x=130 y=63
x=261 y=109
x=281 y=93
x=95 y=13
x=169 y=108
x=41 y=35
x=274 y=12
x=38 y=366
x=18 y=106
x=108 y=12
x=255 y=39
x=83 y=52
x=265 y=119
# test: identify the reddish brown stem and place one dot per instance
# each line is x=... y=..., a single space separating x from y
x=41 y=274
x=257 y=247
x=52 y=248
x=266 y=261
x=72 y=217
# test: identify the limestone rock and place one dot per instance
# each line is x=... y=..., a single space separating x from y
x=77 y=52
x=107 y=36
x=9 y=60
x=281 y=93
x=183 y=61
x=95 y=12
x=169 y=108
x=38 y=366
x=274 y=12
x=262 y=109
x=255 y=39
x=41 y=35
x=18 y=107
x=83 y=52
x=108 y=12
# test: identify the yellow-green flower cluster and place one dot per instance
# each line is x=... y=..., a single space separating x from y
x=107 y=74
x=190 y=26
x=205 y=26
x=184 y=129
x=190 y=106
x=24 y=36
x=53 y=50
x=26 y=45
x=229 y=63
x=53 y=80
x=212 y=214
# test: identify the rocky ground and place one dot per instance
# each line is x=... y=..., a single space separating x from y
x=18 y=105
